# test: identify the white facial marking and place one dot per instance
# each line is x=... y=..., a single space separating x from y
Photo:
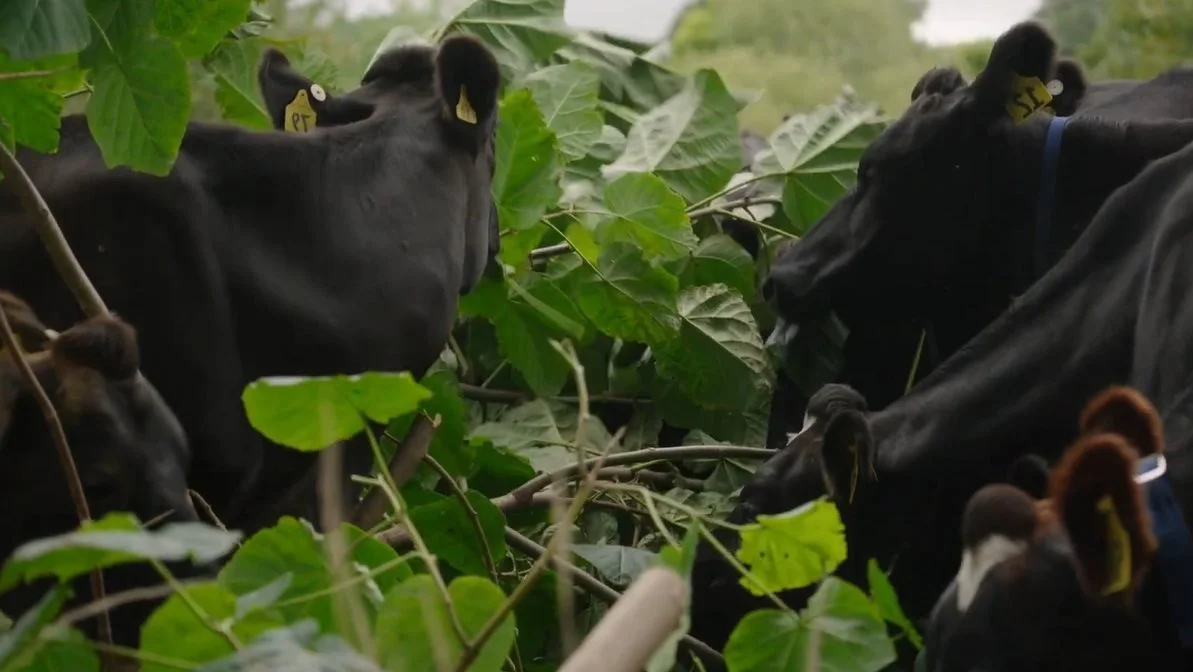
x=808 y=422
x=318 y=92
x=976 y=563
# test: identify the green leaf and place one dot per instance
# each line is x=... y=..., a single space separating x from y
x=647 y=212
x=527 y=425
x=644 y=428
x=621 y=565
x=884 y=597
x=526 y=179
x=819 y=153
x=297 y=648
x=292 y=547
x=234 y=64
x=36 y=28
x=22 y=641
x=840 y=630
x=747 y=428
x=718 y=360
x=520 y=32
x=174 y=631
x=398 y=36
x=627 y=298
x=793 y=549
x=450 y=535
x=138 y=111
x=415 y=633
x=681 y=560
x=728 y=477
x=59 y=649
x=690 y=141
x=498 y=469
x=30 y=108
x=719 y=259
x=448 y=445
x=197 y=25
x=309 y=414
x=115 y=539
x=567 y=96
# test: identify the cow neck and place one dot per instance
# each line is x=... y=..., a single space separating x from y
x=1028 y=374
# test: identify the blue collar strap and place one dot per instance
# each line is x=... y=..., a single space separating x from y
x=1047 y=199
x=1174 y=555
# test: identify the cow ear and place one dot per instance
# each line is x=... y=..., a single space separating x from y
x=942 y=81
x=1096 y=499
x=1022 y=57
x=468 y=79
x=297 y=104
x=105 y=344
x=1071 y=77
x=1126 y=412
x=847 y=454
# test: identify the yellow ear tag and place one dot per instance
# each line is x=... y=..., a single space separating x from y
x=464 y=111
x=1118 y=548
x=1029 y=95
x=300 y=116
x=853 y=475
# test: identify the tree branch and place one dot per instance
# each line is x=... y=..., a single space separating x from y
x=638 y=623
x=731 y=205
x=594 y=587
x=409 y=452
x=51 y=236
x=512 y=397
x=65 y=458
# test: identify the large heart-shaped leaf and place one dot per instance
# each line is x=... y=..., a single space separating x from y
x=567 y=96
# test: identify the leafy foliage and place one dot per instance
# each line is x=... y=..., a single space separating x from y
x=612 y=171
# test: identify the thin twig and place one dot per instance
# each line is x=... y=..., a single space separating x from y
x=595 y=587
x=408 y=453
x=330 y=496
x=732 y=205
x=143 y=594
x=65 y=458
x=485 y=394
x=524 y=491
x=475 y=519
x=556 y=250
x=754 y=222
x=51 y=236
x=28 y=74
x=199 y=502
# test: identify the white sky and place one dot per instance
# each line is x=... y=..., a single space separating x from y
x=946 y=21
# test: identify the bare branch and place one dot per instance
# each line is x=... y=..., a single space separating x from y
x=549 y=251
x=51 y=236
x=330 y=495
x=65 y=459
x=627 y=637
x=28 y=74
x=485 y=394
x=407 y=455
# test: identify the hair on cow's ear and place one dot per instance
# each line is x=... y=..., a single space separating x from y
x=468 y=79
x=296 y=103
x=1095 y=497
x=847 y=455
x=942 y=81
x=105 y=344
x=1124 y=411
x=1026 y=50
x=1073 y=84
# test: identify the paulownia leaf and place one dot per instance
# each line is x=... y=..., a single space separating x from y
x=567 y=97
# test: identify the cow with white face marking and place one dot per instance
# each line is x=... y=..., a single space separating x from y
x=1095 y=578
x=339 y=245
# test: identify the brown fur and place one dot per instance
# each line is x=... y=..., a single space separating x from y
x=1098 y=465
x=1124 y=411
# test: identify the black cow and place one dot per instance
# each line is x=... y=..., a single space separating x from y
x=129 y=449
x=1085 y=581
x=1113 y=310
x=339 y=250
x=956 y=209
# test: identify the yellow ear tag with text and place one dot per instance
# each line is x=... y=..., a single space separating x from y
x=464 y=111
x=853 y=475
x=300 y=116
x=1118 y=548
x=1029 y=95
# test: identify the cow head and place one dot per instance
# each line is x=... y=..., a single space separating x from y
x=930 y=201
x=1057 y=583
x=129 y=449
x=445 y=95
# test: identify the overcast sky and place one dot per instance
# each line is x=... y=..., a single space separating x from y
x=946 y=21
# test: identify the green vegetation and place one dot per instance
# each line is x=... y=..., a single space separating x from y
x=622 y=307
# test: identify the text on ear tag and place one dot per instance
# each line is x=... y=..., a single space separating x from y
x=1029 y=94
x=1118 y=548
x=300 y=116
x=464 y=111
